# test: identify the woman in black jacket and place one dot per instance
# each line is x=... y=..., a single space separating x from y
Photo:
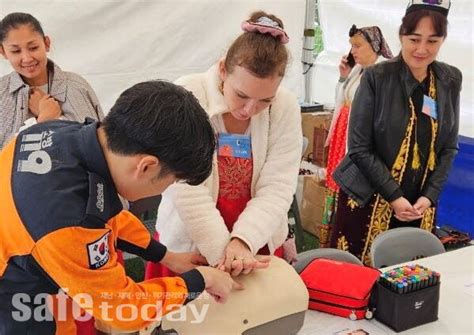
x=402 y=136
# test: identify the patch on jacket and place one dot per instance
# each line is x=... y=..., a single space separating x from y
x=98 y=252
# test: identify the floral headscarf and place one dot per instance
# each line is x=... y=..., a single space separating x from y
x=374 y=36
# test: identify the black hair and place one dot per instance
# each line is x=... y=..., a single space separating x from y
x=361 y=330
x=411 y=20
x=164 y=120
x=15 y=20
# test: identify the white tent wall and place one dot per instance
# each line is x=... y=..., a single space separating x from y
x=337 y=16
x=116 y=43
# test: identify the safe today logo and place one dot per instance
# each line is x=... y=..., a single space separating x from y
x=38 y=308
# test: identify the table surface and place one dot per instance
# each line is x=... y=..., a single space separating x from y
x=456 y=306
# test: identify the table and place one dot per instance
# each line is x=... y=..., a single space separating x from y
x=456 y=306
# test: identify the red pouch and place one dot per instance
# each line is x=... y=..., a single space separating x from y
x=339 y=288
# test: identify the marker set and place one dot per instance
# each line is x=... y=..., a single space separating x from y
x=407 y=296
x=409 y=278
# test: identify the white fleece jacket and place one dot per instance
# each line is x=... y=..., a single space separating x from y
x=187 y=217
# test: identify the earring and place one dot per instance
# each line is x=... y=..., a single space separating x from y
x=221 y=87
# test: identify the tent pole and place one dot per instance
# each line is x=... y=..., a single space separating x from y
x=308 y=47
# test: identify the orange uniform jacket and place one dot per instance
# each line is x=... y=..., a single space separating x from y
x=60 y=225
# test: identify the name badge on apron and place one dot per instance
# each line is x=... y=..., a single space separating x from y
x=429 y=107
x=234 y=145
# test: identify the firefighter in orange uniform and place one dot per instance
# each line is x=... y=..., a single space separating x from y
x=62 y=221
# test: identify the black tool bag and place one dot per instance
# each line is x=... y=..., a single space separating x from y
x=404 y=311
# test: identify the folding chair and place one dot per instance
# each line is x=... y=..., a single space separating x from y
x=403 y=244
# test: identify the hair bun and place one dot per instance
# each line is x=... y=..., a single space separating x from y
x=265 y=25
